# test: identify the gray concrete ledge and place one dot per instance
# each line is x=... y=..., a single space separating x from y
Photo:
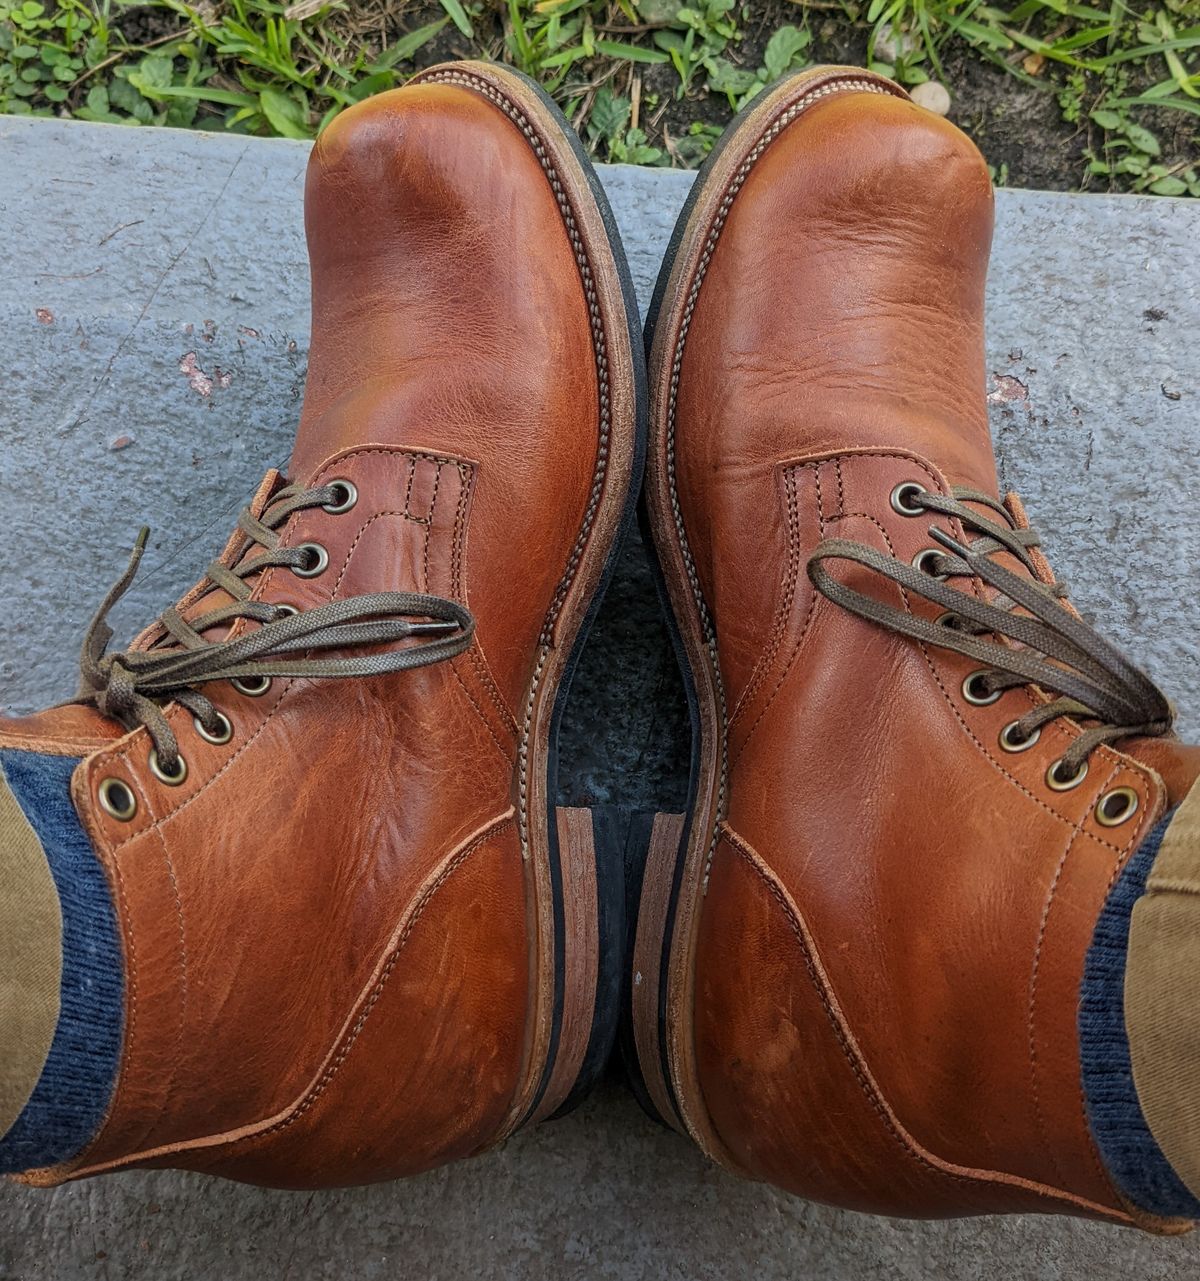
x=153 y=328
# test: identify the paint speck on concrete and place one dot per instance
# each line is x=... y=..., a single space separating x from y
x=120 y=442
x=1171 y=393
x=1154 y=314
x=1006 y=390
x=247 y=332
x=199 y=380
x=45 y=316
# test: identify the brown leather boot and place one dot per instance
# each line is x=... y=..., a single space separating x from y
x=359 y=938
x=860 y=956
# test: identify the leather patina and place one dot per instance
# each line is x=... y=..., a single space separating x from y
x=870 y=970
x=341 y=934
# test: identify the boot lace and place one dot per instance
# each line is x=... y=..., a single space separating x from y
x=133 y=686
x=1023 y=635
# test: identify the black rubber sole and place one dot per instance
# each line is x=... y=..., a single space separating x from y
x=610 y=876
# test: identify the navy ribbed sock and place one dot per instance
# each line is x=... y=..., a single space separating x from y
x=1128 y=1148
x=72 y=1095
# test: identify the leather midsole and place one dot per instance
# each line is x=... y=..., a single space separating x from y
x=555 y=1027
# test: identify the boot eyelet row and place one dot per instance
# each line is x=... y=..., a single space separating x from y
x=318 y=561
x=1117 y=806
x=349 y=497
x=902 y=497
x=116 y=797
x=1056 y=781
x=160 y=772
x=117 y=800
x=219 y=737
x=976 y=693
x=925 y=558
x=251 y=686
x=1012 y=741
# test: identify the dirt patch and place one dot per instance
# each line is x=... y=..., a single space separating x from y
x=1019 y=127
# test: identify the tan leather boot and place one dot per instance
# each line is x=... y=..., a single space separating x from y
x=359 y=939
x=859 y=957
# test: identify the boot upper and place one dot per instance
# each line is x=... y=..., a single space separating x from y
x=897 y=910
x=325 y=925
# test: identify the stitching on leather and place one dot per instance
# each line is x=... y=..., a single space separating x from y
x=837 y=466
x=487 y=724
x=784 y=608
x=454 y=665
x=541 y=149
x=183 y=949
x=1089 y=1141
x=1031 y=1011
x=812 y=604
x=375 y=516
x=388 y=452
x=804 y=626
x=412 y=475
x=265 y=583
x=53 y=746
x=855 y=1061
x=787 y=115
x=475 y=653
x=315 y=1093
x=1104 y=752
x=852 y=1058
x=437 y=484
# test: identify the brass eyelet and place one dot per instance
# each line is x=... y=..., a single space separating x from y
x=221 y=736
x=1117 y=806
x=922 y=561
x=973 y=692
x=171 y=780
x=285 y=611
x=252 y=687
x=905 y=490
x=1056 y=783
x=117 y=800
x=320 y=561
x=1011 y=743
x=349 y=497
x=948 y=618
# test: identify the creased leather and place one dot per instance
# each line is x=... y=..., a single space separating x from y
x=327 y=927
x=892 y=939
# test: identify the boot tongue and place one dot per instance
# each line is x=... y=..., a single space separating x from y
x=205 y=596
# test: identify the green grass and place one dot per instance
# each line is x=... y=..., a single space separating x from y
x=645 y=81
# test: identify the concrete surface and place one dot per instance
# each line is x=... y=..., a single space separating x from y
x=153 y=322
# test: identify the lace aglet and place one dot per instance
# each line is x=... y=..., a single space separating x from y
x=949 y=542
